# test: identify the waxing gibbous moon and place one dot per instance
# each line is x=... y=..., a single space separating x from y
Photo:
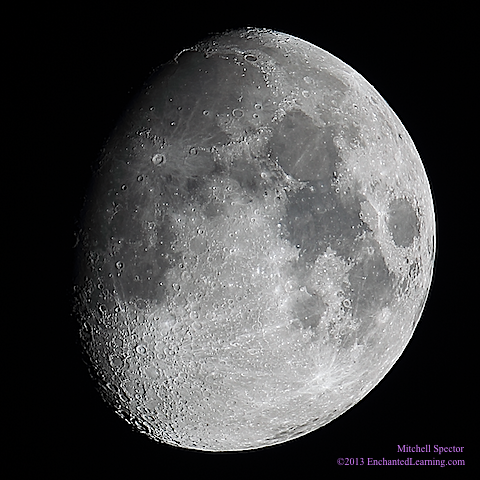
x=256 y=248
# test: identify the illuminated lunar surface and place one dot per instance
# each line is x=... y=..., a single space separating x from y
x=257 y=245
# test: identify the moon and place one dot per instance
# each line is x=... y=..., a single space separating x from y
x=256 y=247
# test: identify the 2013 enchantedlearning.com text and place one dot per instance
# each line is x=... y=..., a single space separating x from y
x=441 y=462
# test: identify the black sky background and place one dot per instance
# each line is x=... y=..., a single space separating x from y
x=89 y=61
